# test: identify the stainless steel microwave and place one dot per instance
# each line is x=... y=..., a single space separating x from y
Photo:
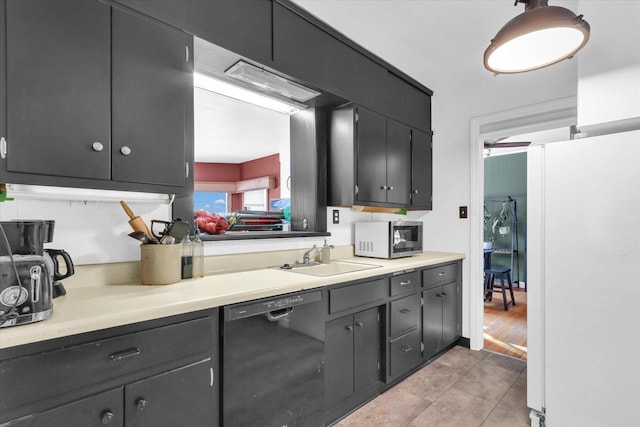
x=388 y=239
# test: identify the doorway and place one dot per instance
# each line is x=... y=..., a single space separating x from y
x=550 y=115
x=505 y=226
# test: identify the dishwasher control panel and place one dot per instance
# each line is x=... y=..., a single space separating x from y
x=252 y=308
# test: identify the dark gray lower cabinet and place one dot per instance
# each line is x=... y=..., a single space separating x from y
x=158 y=373
x=181 y=397
x=441 y=318
x=353 y=361
x=98 y=410
x=353 y=354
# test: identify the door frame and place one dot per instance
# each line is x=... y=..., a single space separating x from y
x=548 y=115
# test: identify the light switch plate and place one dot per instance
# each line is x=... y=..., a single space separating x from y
x=463 y=212
x=336 y=216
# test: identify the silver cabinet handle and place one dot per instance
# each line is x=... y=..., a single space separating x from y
x=406 y=348
x=349 y=328
x=390 y=188
x=359 y=324
x=97 y=146
x=405 y=311
x=141 y=404
x=107 y=417
x=125 y=354
x=125 y=150
x=415 y=191
x=383 y=187
x=408 y=282
x=442 y=273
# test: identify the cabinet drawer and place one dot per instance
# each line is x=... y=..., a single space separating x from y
x=62 y=370
x=405 y=314
x=404 y=353
x=93 y=411
x=404 y=283
x=438 y=275
x=357 y=295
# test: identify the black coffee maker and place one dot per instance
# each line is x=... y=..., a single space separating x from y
x=29 y=274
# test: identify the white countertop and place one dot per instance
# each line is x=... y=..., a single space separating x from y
x=87 y=309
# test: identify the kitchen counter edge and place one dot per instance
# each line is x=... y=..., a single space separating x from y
x=94 y=308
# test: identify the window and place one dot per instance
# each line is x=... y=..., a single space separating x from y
x=211 y=201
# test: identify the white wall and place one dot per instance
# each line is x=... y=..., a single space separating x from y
x=453 y=109
x=91 y=232
x=609 y=65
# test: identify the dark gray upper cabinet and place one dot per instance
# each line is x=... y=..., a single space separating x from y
x=421 y=169
x=306 y=52
x=152 y=78
x=58 y=88
x=242 y=26
x=398 y=161
x=371 y=156
x=370 y=160
x=404 y=102
x=96 y=100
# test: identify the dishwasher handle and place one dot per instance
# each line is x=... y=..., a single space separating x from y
x=275 y=315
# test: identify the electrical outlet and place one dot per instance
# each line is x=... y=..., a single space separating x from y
x=463 y=211
x=336 y=216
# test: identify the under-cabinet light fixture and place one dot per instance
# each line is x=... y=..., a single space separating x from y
x=41 y=192
x=541 y=36
x=222 y=87
x=270 y=82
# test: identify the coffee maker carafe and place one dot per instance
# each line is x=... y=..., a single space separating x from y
x=29 y=274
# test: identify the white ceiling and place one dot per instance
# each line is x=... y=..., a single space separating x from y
x=232 y=131
x=440 y=43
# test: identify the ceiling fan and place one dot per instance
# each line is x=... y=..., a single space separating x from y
x=496 y=143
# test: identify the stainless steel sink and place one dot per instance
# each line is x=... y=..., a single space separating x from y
x=335 y=267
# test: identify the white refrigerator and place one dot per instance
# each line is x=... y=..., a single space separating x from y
x=584 y=282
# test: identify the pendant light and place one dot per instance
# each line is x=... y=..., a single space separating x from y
x=541 y=36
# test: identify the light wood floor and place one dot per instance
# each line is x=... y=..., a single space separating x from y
x=505 y=332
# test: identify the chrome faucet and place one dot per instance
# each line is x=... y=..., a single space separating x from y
x=306 y=256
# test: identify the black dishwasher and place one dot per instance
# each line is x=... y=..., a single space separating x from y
x=273 y=362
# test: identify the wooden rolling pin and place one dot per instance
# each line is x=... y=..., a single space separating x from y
x=137 y=223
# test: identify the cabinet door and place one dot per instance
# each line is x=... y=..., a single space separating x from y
x=243 y=26
x=306 y=52
x=371 y=149
x=152 y=79
x=432 y=321
x=94 y=411
x=183 y=397
x=421 y=169
x=398 y=163
x=367 y=348
x=450 y=313
x=338 y=365
x=58 y=87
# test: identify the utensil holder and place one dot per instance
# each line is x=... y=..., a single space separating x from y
x=160 y=264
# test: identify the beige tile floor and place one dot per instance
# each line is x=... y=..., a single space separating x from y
x=462 y=388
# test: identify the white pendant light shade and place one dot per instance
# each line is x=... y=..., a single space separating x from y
x=539 y=37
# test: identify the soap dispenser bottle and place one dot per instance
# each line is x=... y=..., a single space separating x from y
x=198 y=255
x=187 y=258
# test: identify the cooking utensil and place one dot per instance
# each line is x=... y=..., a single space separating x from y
x=176 y=229
x=140 y=235
x=136 y=223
